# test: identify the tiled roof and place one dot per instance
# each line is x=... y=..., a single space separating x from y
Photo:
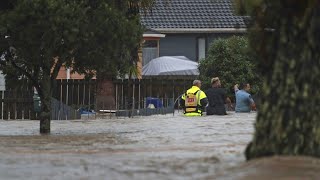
x=192 y=14
x=151 y=31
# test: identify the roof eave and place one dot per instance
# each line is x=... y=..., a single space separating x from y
x=201 y=30
x=154 y=35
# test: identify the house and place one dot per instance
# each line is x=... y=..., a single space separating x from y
x=150 y=45
x=175 y=28
x=190 y=26
x=66 y=73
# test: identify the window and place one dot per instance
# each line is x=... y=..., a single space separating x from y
x=150 y=43
x=201 y=48
x=150 y=51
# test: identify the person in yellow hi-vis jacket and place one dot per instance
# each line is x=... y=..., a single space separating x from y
x=194 y=100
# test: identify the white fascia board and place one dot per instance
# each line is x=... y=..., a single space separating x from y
x=201 y=30
x=154 y=35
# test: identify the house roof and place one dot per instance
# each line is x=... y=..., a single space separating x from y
x=153 y=33
x=193 y=16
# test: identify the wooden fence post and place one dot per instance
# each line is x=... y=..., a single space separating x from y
x=2 y=104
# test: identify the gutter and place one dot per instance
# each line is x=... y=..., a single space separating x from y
x=154 y=35
x=201 y=30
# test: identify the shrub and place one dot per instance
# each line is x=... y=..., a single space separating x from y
x=231 y=61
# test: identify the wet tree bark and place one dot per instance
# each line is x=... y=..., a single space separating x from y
x=105 y=93
x=45 y=97
x=288 y=121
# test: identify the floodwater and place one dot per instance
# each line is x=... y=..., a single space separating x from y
x=153 y=147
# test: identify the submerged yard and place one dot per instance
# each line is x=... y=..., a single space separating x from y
x=153 y=147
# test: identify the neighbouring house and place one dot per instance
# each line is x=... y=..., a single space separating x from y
x=174 y=28
x=150 y=45
x=66 y=73
x=190 y=26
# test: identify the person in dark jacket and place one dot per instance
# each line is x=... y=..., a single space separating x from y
x=217 y=98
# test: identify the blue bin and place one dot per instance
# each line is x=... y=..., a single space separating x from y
x=155 y=101
x=86 y=111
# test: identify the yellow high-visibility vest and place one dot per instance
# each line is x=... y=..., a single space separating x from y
x=192 y=100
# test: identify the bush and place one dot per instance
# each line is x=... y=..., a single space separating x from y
x=230 y=60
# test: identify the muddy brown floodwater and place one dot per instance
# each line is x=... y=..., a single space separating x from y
x=153 y=147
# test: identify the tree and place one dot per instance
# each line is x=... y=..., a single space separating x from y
x=7 y=4
x=284 y=36
x=34 y=33
x=92 y=36
x=229 y=59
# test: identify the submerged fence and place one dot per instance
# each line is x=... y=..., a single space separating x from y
x=19 y=105
x=145 y=111
x=76 y=93
x=132 y=98
x=134 y=93
x=60 y=111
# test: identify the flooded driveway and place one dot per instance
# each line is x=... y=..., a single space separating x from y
x=153 y=147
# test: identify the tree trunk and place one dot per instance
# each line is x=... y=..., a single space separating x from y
x=288 y=121
x=45 y=97
x=105 y=94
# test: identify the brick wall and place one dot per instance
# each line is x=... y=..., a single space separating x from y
x=105 y=95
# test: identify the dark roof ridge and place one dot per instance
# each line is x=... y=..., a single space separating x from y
x=192 y=14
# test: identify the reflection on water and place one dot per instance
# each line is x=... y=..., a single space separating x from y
x=155 y=147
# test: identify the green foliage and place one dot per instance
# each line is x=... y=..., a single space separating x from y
x=229 y=59
x=108 y=37
x=246 y=7
x=38 y=31
x=37 y=37
x=91 y=36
